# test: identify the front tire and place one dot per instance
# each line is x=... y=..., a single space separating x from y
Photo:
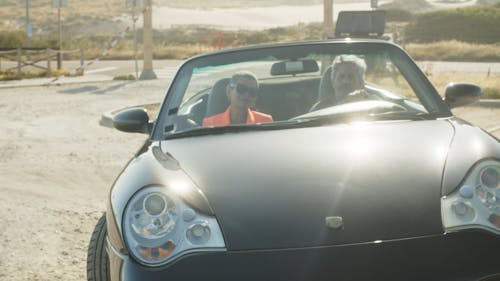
x=97 y=257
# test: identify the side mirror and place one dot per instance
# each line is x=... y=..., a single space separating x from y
x=460 y=94
x=133 y=120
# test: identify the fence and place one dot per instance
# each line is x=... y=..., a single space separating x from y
x=36 y=57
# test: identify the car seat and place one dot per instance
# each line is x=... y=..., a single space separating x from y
x=325 y=90
x=217 y=98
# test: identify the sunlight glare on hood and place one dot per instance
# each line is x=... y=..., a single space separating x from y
x=441 y=152
x=181 y=188
x=477 y=146
x=361 y=145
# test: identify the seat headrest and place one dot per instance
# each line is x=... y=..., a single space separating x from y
x=325 y=86
x=217 y=99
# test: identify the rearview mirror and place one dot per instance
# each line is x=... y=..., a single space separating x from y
x=294 y=67
x=133 y=120
x=460 y=94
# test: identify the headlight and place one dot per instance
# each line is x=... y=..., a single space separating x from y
x=476 y=204
x=158 y=227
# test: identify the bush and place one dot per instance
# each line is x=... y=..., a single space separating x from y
x=398 y=15
x=407 y=5
x=473 y=25
x=125 y=77
x=11 y=39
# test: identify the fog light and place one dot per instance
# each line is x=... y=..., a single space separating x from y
x=490 y=177
x=463 y=210
x=198 y=233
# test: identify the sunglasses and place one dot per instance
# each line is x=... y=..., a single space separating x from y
x=241 y=89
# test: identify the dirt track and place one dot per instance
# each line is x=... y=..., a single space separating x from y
x=57 y=164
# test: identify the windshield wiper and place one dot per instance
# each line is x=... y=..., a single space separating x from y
x=277 y=125
x=214 y=130
x=403 y=115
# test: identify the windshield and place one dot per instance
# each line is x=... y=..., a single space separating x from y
x=280 y=87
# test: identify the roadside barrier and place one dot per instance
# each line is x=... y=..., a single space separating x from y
x=110 y=47
x=34 y=57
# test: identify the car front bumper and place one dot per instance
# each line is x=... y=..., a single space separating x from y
x=468 y=255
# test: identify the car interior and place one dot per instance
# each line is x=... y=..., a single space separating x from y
x=292 y=89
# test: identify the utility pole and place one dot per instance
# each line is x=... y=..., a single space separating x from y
x=134 y=10
x=59 y=4
x=327 y=18
x=327 y=29
x=59 y=54
x=28 y=24
x=133 y=5
x=147 y=71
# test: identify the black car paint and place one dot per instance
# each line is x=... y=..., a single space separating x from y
x=405 y=146
x=471 y=144
x=461 y=256
x=274 y=189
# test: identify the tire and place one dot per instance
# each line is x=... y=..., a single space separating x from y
x=97 y=257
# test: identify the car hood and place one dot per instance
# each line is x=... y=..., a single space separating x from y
x=275 y=189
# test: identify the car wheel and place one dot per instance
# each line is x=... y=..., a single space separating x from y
x=97 y=257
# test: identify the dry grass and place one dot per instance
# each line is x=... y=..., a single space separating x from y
x=180 y=51
x=12 y=74
x=489 y=83
x=454 y=51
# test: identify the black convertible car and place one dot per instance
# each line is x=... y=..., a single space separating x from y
x=259 y=167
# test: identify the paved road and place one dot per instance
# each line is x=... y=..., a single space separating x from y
x=166 y=68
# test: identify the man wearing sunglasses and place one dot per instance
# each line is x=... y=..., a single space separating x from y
x=242 y=93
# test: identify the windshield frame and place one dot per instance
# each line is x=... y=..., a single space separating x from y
x=164 y=123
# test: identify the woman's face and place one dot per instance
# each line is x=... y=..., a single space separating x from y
x=243 y=93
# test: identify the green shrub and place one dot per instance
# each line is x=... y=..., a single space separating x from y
x=11 y=39
x=407 y=5
x=472 y=24
x=125 y=77
x=491 y=93
x=398 y=15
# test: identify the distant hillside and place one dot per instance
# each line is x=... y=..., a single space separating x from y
x=415 y=6
x=488 y=2
x=478 y=24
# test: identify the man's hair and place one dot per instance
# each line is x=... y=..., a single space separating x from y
x=342 y=59
x=242 y=75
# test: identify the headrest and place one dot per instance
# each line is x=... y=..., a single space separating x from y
x=325 y=86
x=217 y=99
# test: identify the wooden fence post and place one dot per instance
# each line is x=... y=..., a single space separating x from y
x=59 y=59
x=49 y=68
x=18 y=62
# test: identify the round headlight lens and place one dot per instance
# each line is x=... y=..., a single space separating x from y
x=155 y=204
x=150 y=224
x=154 y=216
x=158 y=227
x=490 y=177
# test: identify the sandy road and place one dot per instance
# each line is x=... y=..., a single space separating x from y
x=57 y=164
